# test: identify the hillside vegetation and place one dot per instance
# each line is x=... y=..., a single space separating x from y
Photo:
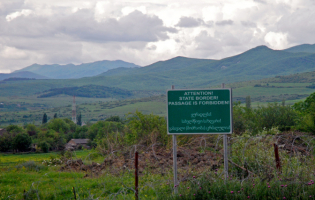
x=91 y=91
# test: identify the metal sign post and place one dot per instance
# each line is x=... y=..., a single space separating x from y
x=175 y=160
x=196 y=111
x=225 y=147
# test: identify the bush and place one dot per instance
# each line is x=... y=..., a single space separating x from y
x=31 y=129
x=263 y=118
x=147 y=129
x=103 y=128
x=306 y=109
x=114 y=119
x=44 y=146
x=21 y=142
x=275 y=115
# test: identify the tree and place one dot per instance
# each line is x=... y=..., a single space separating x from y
x=79 y=120
x=114 y=119
x=149 y=128
x=5 y=142
x=248 y=102
x=59 y=125
x=14 y=129
x=44 y=146
x=21 y=142
x=55 y=116
x=31 y=129
x=44 y=121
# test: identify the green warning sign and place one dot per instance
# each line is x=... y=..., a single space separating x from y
x=199 y=111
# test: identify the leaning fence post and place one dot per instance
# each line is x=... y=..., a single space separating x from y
x=278 y=164
x=136 y=176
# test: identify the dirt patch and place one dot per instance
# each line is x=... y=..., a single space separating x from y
x=159 y=160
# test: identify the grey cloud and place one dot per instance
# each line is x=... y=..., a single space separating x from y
x=81 y=26
x=224 y=22
x=9 y=6
x=207 y=44
x=300 y=26
x=188 y=22
x=248 y=24
x=260 y=1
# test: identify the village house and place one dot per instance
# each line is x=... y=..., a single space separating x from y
x=77 y=144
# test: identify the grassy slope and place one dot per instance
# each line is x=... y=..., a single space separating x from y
x=51 y=183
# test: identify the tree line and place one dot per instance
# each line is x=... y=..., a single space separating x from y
x=91 y=91
x=139 y=128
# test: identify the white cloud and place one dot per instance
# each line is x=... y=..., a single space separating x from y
x=24 y=12
x=12 y=53
x=276 y=40
x=59 y=31
x=127 y=10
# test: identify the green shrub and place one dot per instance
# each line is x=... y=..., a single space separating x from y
x=263 y=118
x=44 y=146
x=149 y=129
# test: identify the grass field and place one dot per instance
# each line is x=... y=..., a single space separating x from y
x=48 y=182
x=20 y=180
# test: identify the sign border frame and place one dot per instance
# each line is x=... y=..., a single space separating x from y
x=215 y=133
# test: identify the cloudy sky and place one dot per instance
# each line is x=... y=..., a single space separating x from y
x=145 y=31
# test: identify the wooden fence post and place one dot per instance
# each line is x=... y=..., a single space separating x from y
x=278 y=163
x=136 y=176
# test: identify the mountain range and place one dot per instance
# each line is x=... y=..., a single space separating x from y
x=257 y=63
x=21 y=74
x=71 y=71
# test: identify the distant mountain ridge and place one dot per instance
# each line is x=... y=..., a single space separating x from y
x=257 y=63
x=22 y=74
x=306 y=48
x=71 y=71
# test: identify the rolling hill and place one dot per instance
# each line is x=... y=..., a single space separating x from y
x=257 y=63
x=71 y=71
